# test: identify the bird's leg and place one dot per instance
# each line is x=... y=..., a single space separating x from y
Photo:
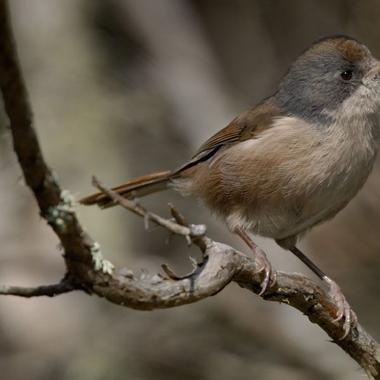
x=336 y=294
x=260 y=254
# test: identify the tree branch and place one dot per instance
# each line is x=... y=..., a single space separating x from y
x=54 y=203
x=87 y=270
x=38 y=291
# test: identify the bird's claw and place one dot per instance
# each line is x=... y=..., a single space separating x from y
x=344 y=310
x=266 y=268
x=261 y=258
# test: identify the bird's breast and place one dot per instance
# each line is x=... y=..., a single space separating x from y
x=291 y=177
x=322 y=172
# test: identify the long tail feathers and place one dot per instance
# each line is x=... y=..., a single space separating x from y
x=137 y=187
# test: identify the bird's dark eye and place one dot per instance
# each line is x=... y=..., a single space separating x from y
x=346 y=75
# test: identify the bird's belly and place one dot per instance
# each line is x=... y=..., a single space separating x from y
x=280 y=223
x=264 y=222
x=285 y=218
x=285 y=182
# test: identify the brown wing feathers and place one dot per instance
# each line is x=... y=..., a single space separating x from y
x=246 y=126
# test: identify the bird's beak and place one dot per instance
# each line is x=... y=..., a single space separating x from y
x=374 y=71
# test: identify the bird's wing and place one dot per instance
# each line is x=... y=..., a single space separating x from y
x=246 y=126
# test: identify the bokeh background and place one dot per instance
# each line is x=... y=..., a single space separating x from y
x=124 y=87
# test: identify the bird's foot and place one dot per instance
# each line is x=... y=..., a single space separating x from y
x=265 y=267
x=344 y=310
x=261 y=257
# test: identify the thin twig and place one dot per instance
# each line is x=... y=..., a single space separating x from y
x=38 y=291
x=174 y=227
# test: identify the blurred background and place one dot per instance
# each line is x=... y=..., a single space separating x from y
x=125 y=87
